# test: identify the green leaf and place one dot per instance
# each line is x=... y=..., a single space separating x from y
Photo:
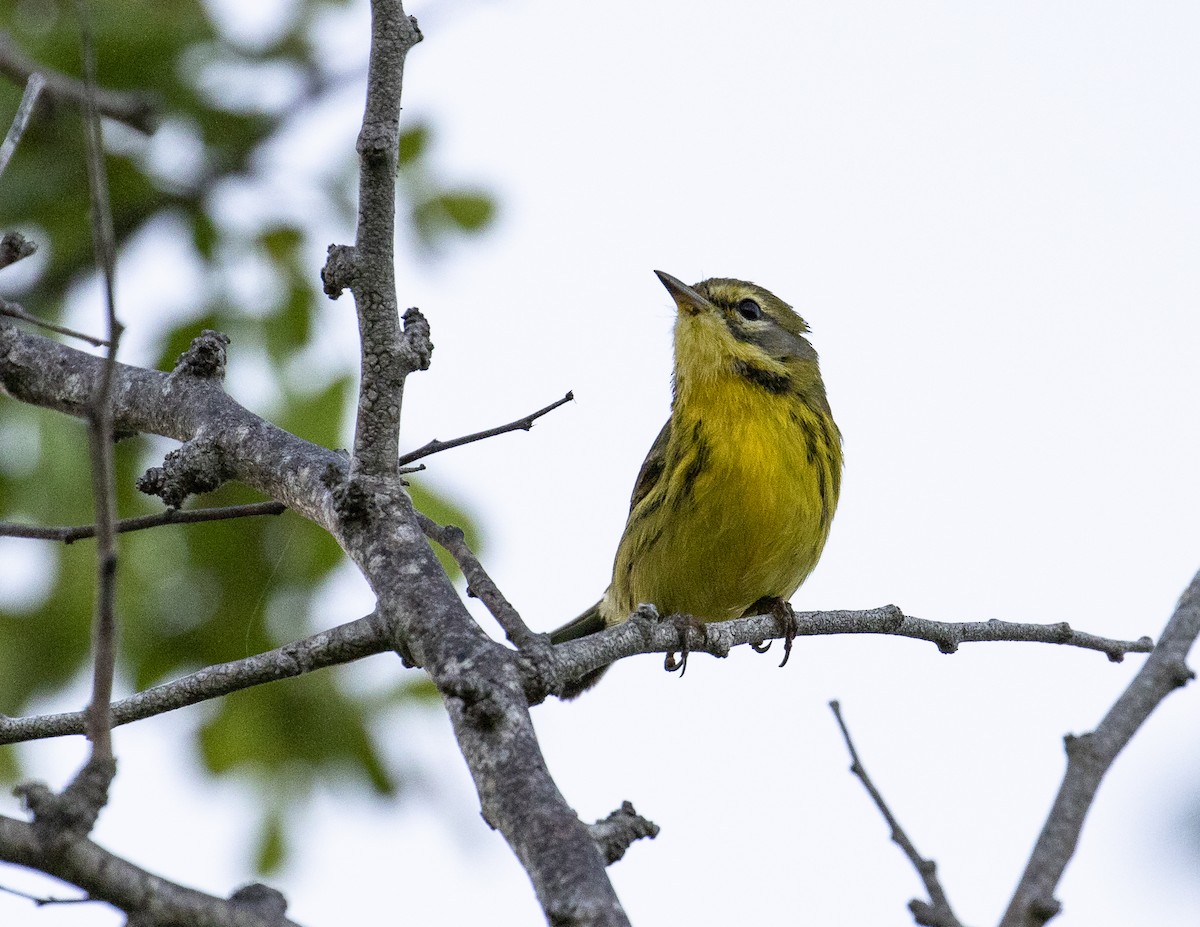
x=471 y=211
x=272 y=843
x=413 y=142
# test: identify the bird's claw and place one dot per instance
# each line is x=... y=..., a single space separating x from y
x=682 y=624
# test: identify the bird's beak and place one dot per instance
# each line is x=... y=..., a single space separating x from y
x=687 y=299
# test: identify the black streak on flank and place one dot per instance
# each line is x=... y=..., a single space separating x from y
x=829 y=439
x=810 y=436
x=651 y=506
x=822 y=481
x=696 y=467
x=777 y=383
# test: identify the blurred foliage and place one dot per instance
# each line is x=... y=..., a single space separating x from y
x=193 y=596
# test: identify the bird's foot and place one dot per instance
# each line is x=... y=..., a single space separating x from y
x=781 y=610
x=682 y=624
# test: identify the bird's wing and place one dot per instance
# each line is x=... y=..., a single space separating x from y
x=652 y=467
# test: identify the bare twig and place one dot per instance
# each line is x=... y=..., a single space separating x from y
x=479 y=583
x=1089 y=757
x=42 y=900
x=68 y=534
x=100 y=420
x=640 y=634
x=937 y=911
x=521 y=424
x=33 y=87
x=343 y=644
x=135 y=110
x=15 y=311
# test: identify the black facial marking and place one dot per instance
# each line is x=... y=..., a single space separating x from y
x=777 y=383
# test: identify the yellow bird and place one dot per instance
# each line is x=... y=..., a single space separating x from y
x=733 y=503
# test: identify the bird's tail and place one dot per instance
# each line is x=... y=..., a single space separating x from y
x=588 y=623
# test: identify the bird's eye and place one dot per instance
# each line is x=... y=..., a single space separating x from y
x=749 y=309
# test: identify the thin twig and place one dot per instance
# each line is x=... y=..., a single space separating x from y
x=521 y=424
x=1089 y=757
x=100 y=419
x=33 y=87
x=937 y=912
x=640 y=634
x=480 y=584
x=133 y=109
x=16 y=311
x=42 y=900
x=343 y=644
x=68 y=534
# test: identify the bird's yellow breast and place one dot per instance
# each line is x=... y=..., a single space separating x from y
x=742 y=509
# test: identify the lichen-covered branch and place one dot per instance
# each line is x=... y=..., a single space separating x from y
x=388 y=353
x=110 y=878
x=374 y=522
x=617 y=833
x=179 y=405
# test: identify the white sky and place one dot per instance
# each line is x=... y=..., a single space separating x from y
x=989 y=214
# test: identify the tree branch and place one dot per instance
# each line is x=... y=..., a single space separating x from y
x=110 y=878
x=486 y=702
x=1089 y=757
x=16 y=311
x=478 y=678
x=135 y=110
x=179 y=405
x=645 y=632
x=366 y=509
x=616 y=833
x=33 y=87
x=100 y=424
x=368 y=269
x=480 y=583
x=69 y=534
x=343 y=644
x=937 y=912
x=522 y=424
